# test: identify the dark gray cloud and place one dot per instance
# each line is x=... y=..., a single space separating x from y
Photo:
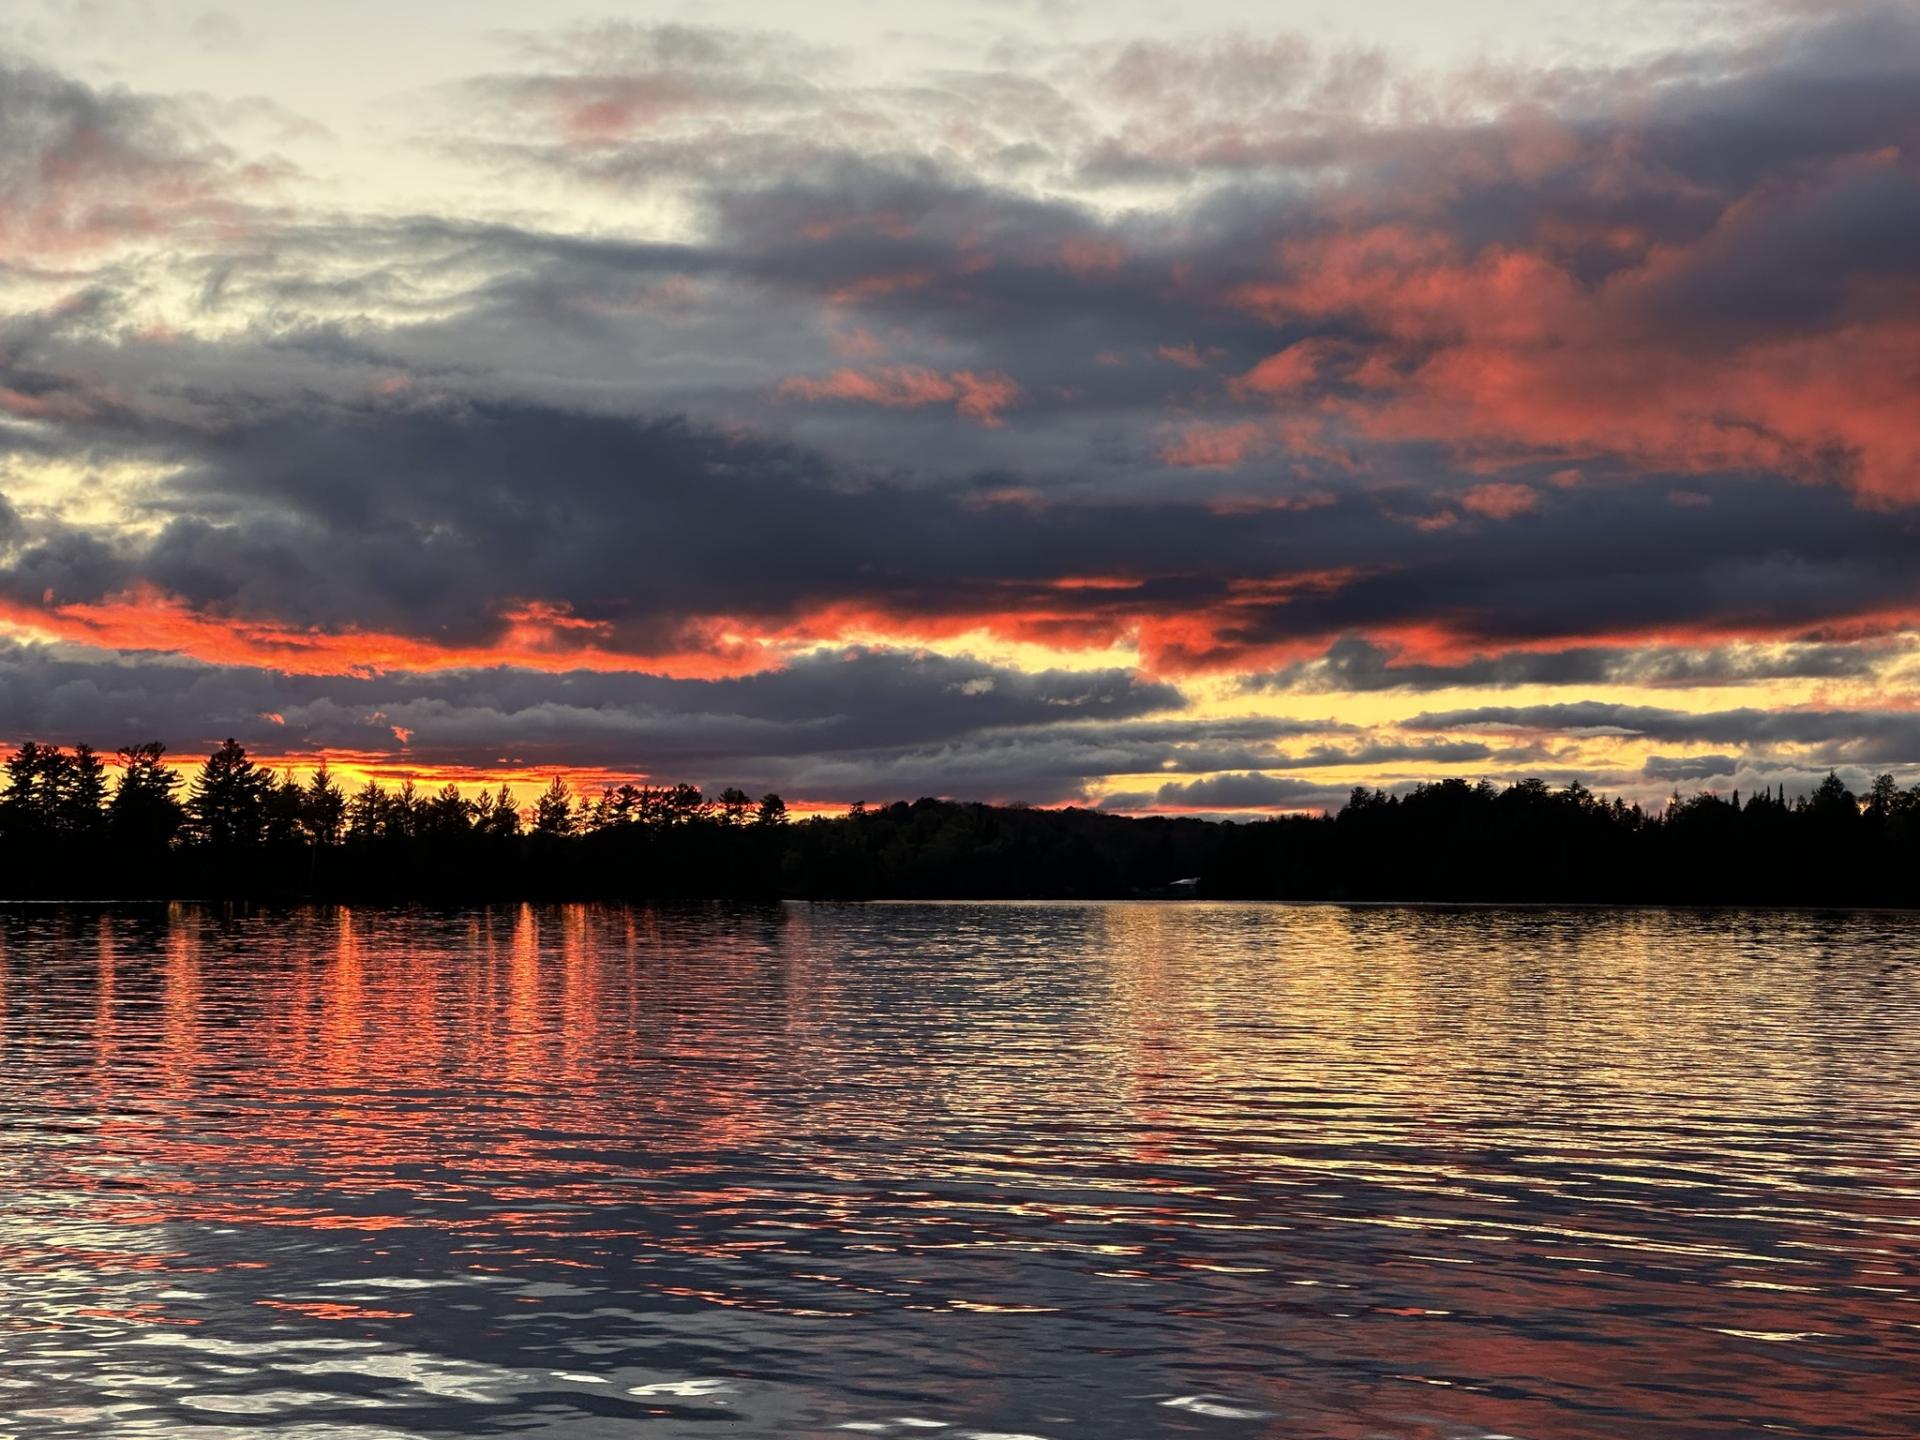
x=1355 y=663
x=1691 y=767
x=850 y=700
x=428 y=426
x=1846 y=735
x=873 y=723
x=436 y=521
x=303 y=499
x=1246 y=791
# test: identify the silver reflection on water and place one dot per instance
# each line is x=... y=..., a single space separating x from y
x=965 y=1170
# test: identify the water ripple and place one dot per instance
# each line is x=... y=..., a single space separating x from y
x=990 y=1171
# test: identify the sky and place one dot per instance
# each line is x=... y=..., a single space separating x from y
x=1198 y=408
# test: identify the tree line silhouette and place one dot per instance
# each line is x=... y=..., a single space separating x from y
x=237 y=829
x=1454 y=840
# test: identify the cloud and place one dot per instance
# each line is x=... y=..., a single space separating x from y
x=411 y=531
x=1354 y=664
x=978 y=397
x=1238 y=365
x=1855 y=736
x=1691 y=767
x=858 y=719
x=85 y=169
x=1500 y=500
x=1215 y=447
x=1244 y=791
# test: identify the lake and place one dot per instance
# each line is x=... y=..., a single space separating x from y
x=1046 y=1170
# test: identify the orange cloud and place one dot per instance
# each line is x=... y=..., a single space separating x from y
x=978 y=397
x=534 y=636
x=1242 y=626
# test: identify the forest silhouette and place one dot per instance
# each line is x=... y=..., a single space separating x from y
x=235 y=829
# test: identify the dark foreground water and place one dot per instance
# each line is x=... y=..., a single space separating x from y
x=963 y=1171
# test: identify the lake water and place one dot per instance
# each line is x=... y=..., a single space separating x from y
x=959 y=1171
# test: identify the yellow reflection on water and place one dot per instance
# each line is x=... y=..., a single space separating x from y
x=1516 y=1156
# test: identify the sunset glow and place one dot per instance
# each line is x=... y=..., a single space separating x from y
x=1203 y=417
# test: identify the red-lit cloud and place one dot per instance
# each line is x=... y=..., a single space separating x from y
x=981 y=397
x=1215 y=446
x=1272 y=369
x=1500 y=500
x=534 y=636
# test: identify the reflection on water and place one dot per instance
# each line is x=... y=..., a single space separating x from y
x=1047 y=1170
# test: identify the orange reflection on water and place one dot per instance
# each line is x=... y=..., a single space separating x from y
x=1419 y=1172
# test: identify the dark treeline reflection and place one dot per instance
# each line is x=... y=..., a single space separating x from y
x=235 y=828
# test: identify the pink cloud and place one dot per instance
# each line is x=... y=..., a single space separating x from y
x=1283 y=373
x=979 y=397
x=1215 y=447
x=1500 y=500
x=872 y=287
x=859 y=344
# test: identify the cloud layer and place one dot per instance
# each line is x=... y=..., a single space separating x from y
x=1030 y=426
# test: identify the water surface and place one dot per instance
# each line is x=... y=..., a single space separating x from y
x=962 y=1170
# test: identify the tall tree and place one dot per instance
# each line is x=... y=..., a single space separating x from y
x=446 y=813
x=30 y=805
x=227 y=803
x=684 y=804
x=401 y=819
x=284 y=810
x=144 y=812
x=324 y=808
x=553 y=811
x=81 y=806
x=367 y=812
x=498 y=815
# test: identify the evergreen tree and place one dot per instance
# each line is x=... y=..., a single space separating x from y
x=81 y=804
x=497 y=816
x=446 y=814
x=144 y=813
x=401 y=819
x=553 y=811
x=31 y=803
x=323 y=811
x=367 y=812
x=684 y=804
x=284 y=813
x=227 y=803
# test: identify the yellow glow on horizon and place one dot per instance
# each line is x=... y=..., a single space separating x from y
x=1381 y=717
x=988 y=648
